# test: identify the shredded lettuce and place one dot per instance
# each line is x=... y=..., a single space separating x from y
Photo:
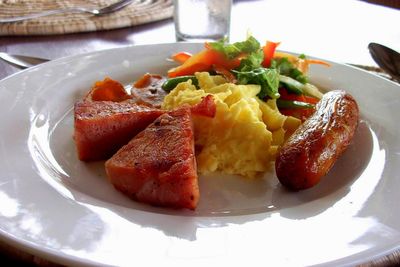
x=286 y=68
x=268 y=79
x=252 y=61
x=233 y=50
x=250 y=71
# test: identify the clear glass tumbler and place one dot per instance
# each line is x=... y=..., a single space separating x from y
x=200 y=20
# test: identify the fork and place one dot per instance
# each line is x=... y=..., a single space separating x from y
x=97 y=12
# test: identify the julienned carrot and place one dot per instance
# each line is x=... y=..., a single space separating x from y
x=300 y=63
x=317 y=61
x=181 y=57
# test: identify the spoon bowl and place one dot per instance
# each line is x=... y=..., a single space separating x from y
x=386 y=58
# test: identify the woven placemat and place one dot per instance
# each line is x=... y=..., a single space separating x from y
x=138 y=12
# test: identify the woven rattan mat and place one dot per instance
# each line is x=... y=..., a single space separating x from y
x=139 y=12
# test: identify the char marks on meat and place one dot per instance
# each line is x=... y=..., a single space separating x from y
x=158 y=165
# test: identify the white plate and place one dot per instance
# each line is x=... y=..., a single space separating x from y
x=57 y=207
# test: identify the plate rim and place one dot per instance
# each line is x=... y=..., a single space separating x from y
x=71 y=259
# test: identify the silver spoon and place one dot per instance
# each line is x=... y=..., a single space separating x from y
x=97 y=12
x=386 y=58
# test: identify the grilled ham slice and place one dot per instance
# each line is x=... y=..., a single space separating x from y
x=158 y=165
x=103 y=127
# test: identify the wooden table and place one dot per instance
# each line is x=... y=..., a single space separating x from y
x=337 y=30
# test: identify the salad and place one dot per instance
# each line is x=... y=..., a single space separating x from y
x=281 y=76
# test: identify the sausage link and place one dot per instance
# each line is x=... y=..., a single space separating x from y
x=314 y=147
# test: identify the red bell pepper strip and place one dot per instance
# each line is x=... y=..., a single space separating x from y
x=302 y=98
x=269 y=50
x=203 y=61
x=300 y=113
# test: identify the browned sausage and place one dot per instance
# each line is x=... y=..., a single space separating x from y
x=314 y=147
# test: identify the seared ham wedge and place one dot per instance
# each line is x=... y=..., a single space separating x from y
x=158 y=165
x=103 y=127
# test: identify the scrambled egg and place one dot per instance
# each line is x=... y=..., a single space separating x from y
x=246 y=132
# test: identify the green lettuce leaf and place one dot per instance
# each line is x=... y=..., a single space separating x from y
x=268 y=79
x=233 y=50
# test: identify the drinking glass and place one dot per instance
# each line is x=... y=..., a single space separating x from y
x=200 y=20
